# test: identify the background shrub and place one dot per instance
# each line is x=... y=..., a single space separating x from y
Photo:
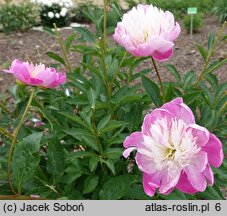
x=51 y=15
x=197 y=22
x=57 y=12
x=220 y=10
x=18 y=17
x=177 y=7
x=79 y=12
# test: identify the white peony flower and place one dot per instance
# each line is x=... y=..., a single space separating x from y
x=57 y=15
x=65 y=10
x=63 y=13
x=50 y=14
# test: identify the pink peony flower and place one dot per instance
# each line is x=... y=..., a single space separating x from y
x=36 y=75
x=148 y=31
x=173 y=151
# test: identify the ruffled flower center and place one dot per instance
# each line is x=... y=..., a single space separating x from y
x=170 y=145
x=34 y=70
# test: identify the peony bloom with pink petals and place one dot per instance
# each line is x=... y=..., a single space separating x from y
x=36 y=75
x=173 y=151
x=148 y=31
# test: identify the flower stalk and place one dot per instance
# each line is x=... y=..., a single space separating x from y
x=159 y=77
x=104 y=75
x=104 y=24
x=14 y=140
x=95 y=131
x=63 y=49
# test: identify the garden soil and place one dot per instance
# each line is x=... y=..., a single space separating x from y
x=33 y=46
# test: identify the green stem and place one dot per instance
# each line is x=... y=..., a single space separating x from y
x=222 y=109
x=5 y=109
x=130 y=71
x=63 y=49
x=15 y=139
x=118 y=68
x=211 y=53
x=159 y=78
x=104 y=75
x=6 y=133
x=95 y=131
x=104 y=24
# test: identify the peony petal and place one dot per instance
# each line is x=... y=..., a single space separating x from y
x=184 y=185
x=127 y=151
x=161 y=49
x=134 y=140
x=20 y=71
x=142 y=50
x=150 y=183
x=208 y=173
x=61 y=79
x=149 y=119
x=162 y=56
x=146 y=164
x=200 y=162
x=168 y=185
x=180 y=111
x=35 y=82
x=177 y=100
x=197 y=179
x=201 y=134
x=214 y=150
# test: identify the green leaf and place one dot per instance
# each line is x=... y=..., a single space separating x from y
x=86 y=34
x=92 y=97
x=113 y=153
x=55 y=158
x=84 y=136
x=77 y=133
x=152 y=90
x=69 y=41
x=88 y=141
x=93 y=163
x=173 y=71
x=103 y=122
x=211 y=39
x=136 y=192
x=90 y=184
x=191 y=96
x=175 y=195
x=112 y=125
x=26 y=159
x=74 y=118
x=141 y=73
x=117 y=187
x=110 y=165
x=207 y=93
x=79 y=154
x=169 y=93
x=56 y=57
x=188 y=79
x=215 y=65
x=202 y=52
x=49 y=31
x=71 y=177
x=32 y=142
x=212 y=193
